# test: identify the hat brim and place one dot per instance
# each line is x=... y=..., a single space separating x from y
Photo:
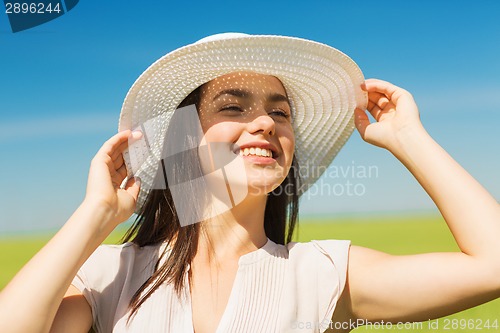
x=323 y=85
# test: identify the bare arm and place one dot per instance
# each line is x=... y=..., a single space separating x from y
x=29 y=303
x=74 y=314
x=420 y=287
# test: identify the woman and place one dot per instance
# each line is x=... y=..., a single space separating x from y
x=236 y=270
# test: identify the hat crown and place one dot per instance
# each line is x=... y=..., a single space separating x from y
x=221 y=36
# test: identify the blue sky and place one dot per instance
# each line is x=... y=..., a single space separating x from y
x=62 y=85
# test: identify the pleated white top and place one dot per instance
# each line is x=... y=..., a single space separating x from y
x=277 y=288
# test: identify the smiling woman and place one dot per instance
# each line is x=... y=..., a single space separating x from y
x=217 y=141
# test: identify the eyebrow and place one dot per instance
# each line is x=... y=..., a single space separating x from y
x=274 y=97
x=278 y=98
x=234 y=92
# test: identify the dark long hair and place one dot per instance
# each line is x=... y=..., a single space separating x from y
x=159 y=222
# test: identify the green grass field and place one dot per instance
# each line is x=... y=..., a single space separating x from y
x=392 y=234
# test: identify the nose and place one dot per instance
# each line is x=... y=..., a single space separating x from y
x=262 y=123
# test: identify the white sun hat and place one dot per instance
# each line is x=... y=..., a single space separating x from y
x=323 y=86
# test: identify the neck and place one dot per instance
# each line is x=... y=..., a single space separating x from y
x=233 y=233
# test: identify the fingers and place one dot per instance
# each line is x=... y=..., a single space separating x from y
x=118 y=162
x=392 y=92
x=115 y=146
x=361 y=121
x=133 y=186
x=378 y=104
x=111 y=154
x=122 y=171
x=384 y=87
x=133 y=137
x=114 y=142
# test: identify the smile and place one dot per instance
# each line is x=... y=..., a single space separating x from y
x=256 y=151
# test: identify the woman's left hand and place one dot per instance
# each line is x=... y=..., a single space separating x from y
x=394 y=110
x=379 y=285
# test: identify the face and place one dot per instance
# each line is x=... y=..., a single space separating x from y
x=248 y=116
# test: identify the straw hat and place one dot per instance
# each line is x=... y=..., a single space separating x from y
x=322 y=83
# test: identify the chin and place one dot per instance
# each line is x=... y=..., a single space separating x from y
x=261 y=188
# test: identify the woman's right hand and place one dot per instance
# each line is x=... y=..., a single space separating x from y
x=107 y=172
x=49 y=274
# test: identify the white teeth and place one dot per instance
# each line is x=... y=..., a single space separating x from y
x=256 y=151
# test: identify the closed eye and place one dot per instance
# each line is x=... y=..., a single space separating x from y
x=232 y=107
x=280 y=113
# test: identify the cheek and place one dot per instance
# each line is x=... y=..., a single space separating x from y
x=287 y=141
x=223 y=132
x=215 y=150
